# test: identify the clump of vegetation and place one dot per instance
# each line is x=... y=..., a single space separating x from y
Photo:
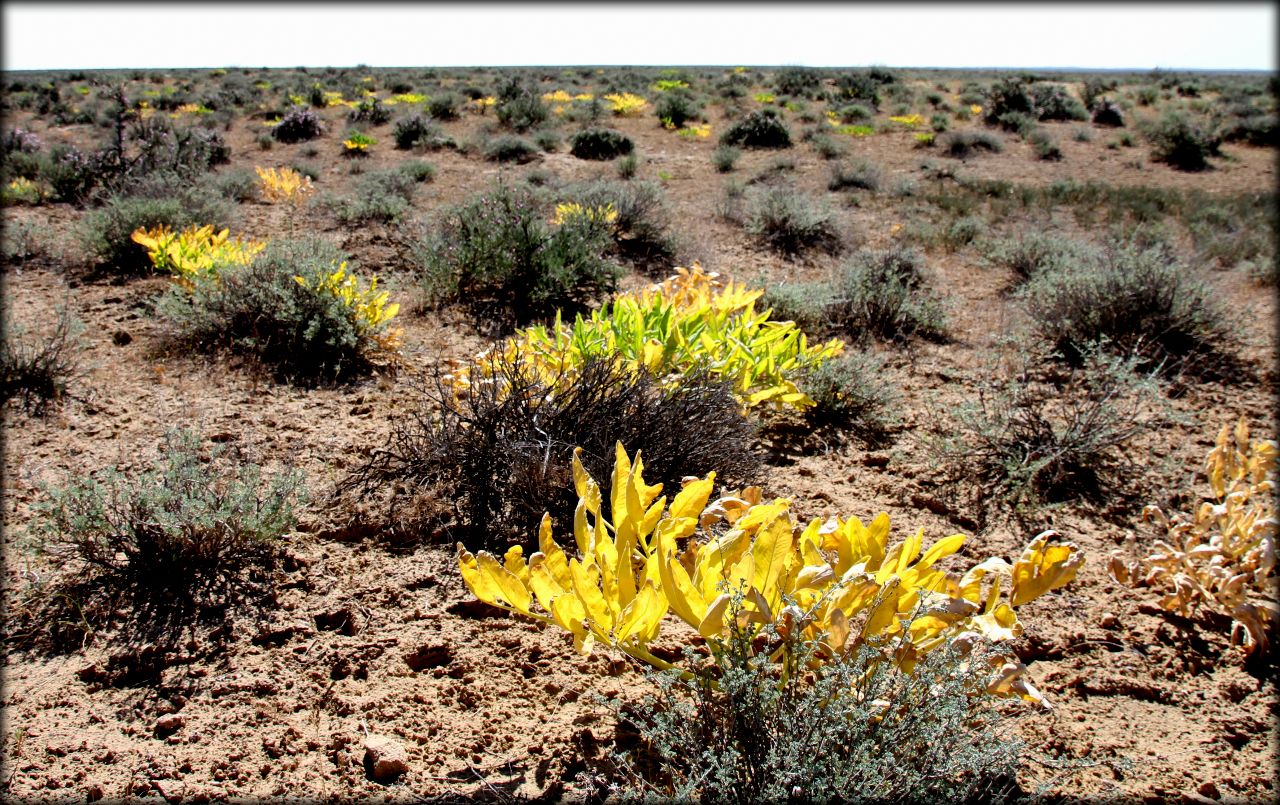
x=381 y=195
x=761 y=734
x=1030 y=253
x=963 y=144
x=1037 y=435
x=496 y=253
x=369 y=111
x=35 y=371
x=1052 y=102
x=501 y=450
x=851 y=395
x=509 y=148
x=298 y=125
x=1136 y=300
x=600 y=144
x=641 y=228
x=520 y=107
x=420 y=131
x=179 y=535
x=860 y=174
x=1182 y=143
x=791 y=223
x=725 y=157
x=297 y=308
x=676 y=107
x=1220 y=561
x=759 y=129
x=797 y=81
x=107 y=233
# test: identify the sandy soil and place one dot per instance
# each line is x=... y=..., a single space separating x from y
x=361 y=631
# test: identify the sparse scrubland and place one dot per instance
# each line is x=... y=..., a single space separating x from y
x=744 y=434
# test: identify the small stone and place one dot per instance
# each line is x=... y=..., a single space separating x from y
x=170 y=723
x=121 y=338
x=385 y=758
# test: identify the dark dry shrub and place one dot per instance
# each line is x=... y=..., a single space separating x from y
x=759 y=129
x=1182 y=143
x=676 y=107
x=298 y=125
x=501 y=451
x=642 y=231
x=1106 y=113
x=852 y=396
x=963 y=144
x=1046 y=147
x=860 y=175
x=107 y=233
x=1005 y=96
x=855 y=727
x=884 y=294
x=827 y=147
x=496 y=253
x=370 y=111
x=444 y=106
x=1039 y=435
x=1022 y=124
x=419 y=131
x=509 y=148
x=1135 y=301
x=261 y=311
x=520 y=107
x=798 y=81
x=1092 y=90
x=1054 y=103
x=70 y=173
x=35 y=371
x=600 y=144
x=791 y=223
x=181 y=533
x=859 y=86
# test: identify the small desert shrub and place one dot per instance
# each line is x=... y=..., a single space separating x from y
x=852 y=396
x=547 y=139
x=238 y=184
x=501 y=450
x=381 y=195
x=827 y=147
x=298 y=125
x=35 y=371
x=628 y=166
x=760 y=129
x=962 y=231
x=859 y=86
x=860 y=174
x=509 y=148
x=641 y=231
x=419 y=131
x=296 y=329
x=1037 y=435
x=884 y=294
x=369 y=111
x=497 y=253
x=1005 y=96
x=854 y=113
x=675 y=108
x=815 y=732
x=791 y=223
x=1135 y=300
x=797 y=81
x=444 y=106
x=1182 y=143
x=1029 y=253
x=1107 y=113
x=107 y=233
x=963 y=144
x=1046 y=147
x=182 y=532
x=600 y=144
x=1054 y=103
x=70 y=173
x=725 y=157
x=520 y=108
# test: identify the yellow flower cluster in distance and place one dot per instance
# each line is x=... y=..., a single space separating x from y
x=666 y=84
x=688 y=322
x=22 y=191
x=764 y=97
x=195 y=255
x=369 y=306
x=626 y=104
x=285 y=184
x=572 y=210
x=975 y=109
x=358 y=143
x=405 y=97
x=908 y=120
x=481 y=104
x=701 y=132
x=559 y=96
x=839 y=582
x=856 y=130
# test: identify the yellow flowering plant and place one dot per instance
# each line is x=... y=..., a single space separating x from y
x=568 y=212
x=196 y=254
x=370 y=308
x=357 y=144
x=283 y=184
x=625 y=104
x=838 y=582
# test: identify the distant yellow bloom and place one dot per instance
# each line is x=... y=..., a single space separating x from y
x=568 y=211
x=975 y=109
x=626 y=104
x=285 y=184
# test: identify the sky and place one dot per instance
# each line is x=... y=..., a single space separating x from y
x=1211 y=36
